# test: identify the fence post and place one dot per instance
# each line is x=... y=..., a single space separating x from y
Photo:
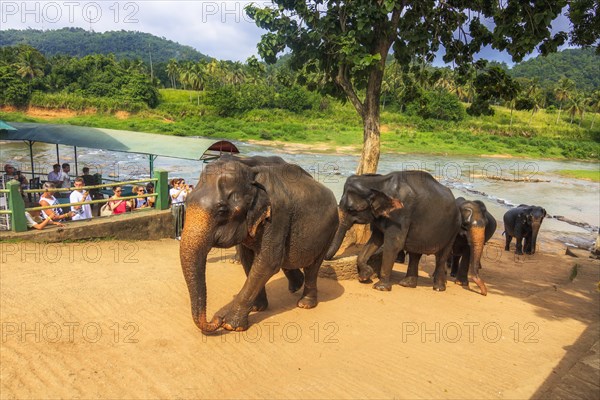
x=17 y=206
x=162 y=190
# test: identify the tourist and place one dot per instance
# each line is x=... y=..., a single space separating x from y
x=150 y=190
x=116 y=205
x=77 y=196
x=56 y=176
x=140 y=202
x=47 y=199
x=32 y=223
x=11 y=173
x=178 y=194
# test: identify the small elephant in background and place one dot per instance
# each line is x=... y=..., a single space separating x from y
x=523 y=222
x=478 y=226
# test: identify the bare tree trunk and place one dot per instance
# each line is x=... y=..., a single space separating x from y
x=593 y=120
x=558 y=116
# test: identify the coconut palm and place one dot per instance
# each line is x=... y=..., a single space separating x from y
x=30 y=64
x=563 y=92
x=577 y=107
x=173 y=72
x=594 y=103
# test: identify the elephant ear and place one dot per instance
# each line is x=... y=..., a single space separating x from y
x=382 y=204
x=260 y=210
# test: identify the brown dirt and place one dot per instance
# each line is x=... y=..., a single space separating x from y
x=122 y=114
x=50 y=113
x=111 y=319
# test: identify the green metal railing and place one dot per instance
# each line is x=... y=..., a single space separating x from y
x=16 y=205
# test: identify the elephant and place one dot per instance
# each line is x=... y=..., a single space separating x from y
x=478 y=226
x=523 y=222
x=406 y=210
x=276 y=214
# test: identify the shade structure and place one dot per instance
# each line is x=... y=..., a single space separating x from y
x=190 y=148
x=6 y=127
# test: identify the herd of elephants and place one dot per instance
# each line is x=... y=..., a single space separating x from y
x=279 y=217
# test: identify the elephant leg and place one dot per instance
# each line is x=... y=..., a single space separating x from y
x=528 y=244
x=401 y=258
x=309 y=296
x=519 y=241
x=246 y=257
x=439 y=275
x=454 y=261
x=393 y=242
x=463 y=270
x=412 y=272
x=295 y=279
x=262 y=269
x=508 y=240
x=364 y=270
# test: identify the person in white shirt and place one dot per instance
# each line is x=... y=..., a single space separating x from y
x=178 y=194
x=77 y=196
x=48 y=199
x=66 y=179
x=55 y=176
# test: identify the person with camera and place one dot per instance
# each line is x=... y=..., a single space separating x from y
x=77 y=196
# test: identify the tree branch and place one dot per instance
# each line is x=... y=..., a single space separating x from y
x=342 y=80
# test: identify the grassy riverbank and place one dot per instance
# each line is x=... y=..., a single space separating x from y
x=183 y=113
x=593 y=176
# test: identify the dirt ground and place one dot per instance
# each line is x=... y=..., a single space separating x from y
x=111 y=319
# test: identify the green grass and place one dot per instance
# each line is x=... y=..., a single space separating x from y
x=581 y=174
x=180 y=114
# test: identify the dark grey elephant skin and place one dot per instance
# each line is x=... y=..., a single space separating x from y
x=406 y=210
x=523 y=222
x=478 y=226
x=278 y=216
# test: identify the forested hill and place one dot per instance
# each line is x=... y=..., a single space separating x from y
x=79 y=42
x=580 y=65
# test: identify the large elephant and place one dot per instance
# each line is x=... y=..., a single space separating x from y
x=279 y=217
x=478 y=226
x=523 y=222
x=407 y=210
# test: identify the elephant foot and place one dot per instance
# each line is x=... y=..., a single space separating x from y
x=364 y=274
x=307 y=302
x=453 y=274
x=462 y=282
x=408 y=281
x=232 y=322
x=260 y=305
x=383 y=286
x=519 y=252
x=507 y=248
x=295 y=280
x=439 y=287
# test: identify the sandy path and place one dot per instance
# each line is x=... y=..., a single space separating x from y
x=112 y=320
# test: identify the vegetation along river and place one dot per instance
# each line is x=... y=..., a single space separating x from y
x=573 y=204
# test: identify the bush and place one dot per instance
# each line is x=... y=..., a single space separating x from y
x=480 y=107
x=439 y=105
x=295 y=98
x=524 y=103
x=13 y=90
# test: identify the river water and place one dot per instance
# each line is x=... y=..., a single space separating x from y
x=575 y=200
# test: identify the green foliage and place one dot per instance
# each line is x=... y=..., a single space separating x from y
x=13 y=89
x=78 y=42
x=480 y=107
x=524 y=103
x=439 y=105
x=77 y=102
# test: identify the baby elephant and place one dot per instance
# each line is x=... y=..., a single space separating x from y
x=523 y=222
x=478 y=226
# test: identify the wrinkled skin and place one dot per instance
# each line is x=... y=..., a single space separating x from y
x=278 y=216
x=523 y=222
x=406 y=210
x=478 y=226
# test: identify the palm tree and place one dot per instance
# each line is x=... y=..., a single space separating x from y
x=30 y=64
x=577 y=107
x=563 y=92
x=173 y=72
x=594 y=103
x=197 y=78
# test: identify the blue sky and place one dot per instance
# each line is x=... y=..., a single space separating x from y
x=219 y=29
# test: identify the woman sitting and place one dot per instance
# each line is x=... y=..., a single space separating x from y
x=117 y=205
x=140 y=202
x=47 y=199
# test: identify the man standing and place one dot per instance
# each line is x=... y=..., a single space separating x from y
x=77 y=196
x=55 y=176
x=66 y=179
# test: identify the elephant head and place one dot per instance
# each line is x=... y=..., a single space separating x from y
x=226 y=208
x=360 y=204
x=529 y=221
x=478 y=226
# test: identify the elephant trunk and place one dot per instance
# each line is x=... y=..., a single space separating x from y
x=535 y=229
x=477 y=241
x=343 y=227
x=195 y=244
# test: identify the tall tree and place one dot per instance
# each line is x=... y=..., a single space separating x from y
x=350 y=41
x=173 y=72
x=30 y=64
x=563 y=92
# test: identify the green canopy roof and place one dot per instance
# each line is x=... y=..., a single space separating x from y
x=116 y=140
x=5 y=126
